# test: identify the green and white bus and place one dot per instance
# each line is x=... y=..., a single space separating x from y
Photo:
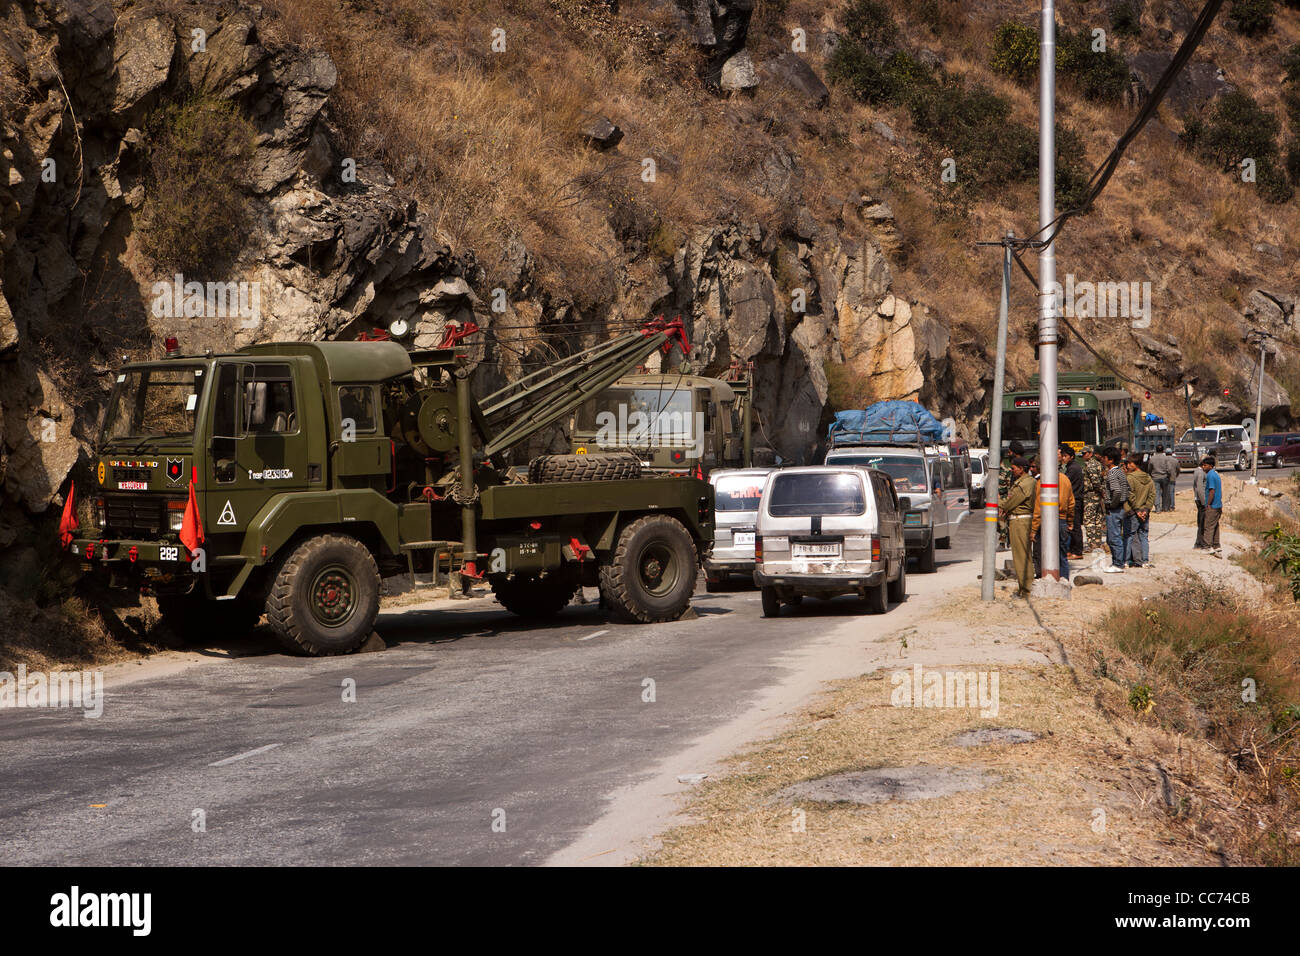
x=1093 y=410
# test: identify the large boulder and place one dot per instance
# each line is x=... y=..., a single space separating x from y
x=1192 y=90
x=790 y=71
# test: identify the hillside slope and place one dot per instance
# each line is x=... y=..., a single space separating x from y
x=558 y=170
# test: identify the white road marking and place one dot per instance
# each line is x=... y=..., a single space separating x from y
x=597 y=634
x=251 y=753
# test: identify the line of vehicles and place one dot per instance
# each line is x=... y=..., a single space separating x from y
x=288 y=480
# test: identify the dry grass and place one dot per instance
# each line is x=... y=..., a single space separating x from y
x=1040 y=811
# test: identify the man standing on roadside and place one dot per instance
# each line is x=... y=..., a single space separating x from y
x=1118 y=493
x=1018 y=510
x=1071 y=468
x=1066 y=513
x=1005 y=478
x=1094 y=498
x=1213 y=505
x=1164 y=468
x=1139 y=513
x=1198 y=491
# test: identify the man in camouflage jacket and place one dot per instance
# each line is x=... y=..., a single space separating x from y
x=1094 y=513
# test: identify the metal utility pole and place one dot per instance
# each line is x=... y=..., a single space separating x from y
x=1259 y=407
x=1048 y=442
x=995 y=432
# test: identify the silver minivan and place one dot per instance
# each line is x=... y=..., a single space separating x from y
x=736 y=494
x=825 y=530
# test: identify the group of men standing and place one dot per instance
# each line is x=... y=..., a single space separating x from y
x=1107 y=497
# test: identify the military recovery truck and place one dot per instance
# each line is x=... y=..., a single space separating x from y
x=674 y=422
x=288 y=479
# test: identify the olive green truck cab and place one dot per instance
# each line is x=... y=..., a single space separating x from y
x=675 y=423
x=289 y=479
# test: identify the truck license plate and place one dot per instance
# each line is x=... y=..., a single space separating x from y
x=815 y=550
x=743 y=537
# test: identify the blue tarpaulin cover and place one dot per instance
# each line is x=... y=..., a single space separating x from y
x=894 y=421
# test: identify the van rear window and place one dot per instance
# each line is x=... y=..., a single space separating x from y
x=818 y=493
x=738 y=493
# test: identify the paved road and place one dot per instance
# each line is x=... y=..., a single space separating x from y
x=467 y=716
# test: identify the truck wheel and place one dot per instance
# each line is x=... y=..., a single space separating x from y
x=546 y=468
x=771 y=603
x=193 y=618
x=325 y=596
x=925 y=560
x=651 y=575
x=534 y=597
x=898 y=587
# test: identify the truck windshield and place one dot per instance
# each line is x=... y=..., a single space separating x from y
x=154 y=403
x=738 y=492
x=1199 y=434
x=823 y=493
x=636 y=415
x=908 y=473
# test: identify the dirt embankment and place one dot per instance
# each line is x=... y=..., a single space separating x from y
x=1075 y=750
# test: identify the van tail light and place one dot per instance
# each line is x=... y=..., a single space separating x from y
x=875 y=548
x=758 y=548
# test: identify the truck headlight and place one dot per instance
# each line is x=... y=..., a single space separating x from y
x=97 y=514
x=176 y=514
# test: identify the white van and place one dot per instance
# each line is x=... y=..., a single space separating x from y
x=736 y=494
x=826 y=530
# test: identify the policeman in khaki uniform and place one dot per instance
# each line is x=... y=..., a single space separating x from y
x=1018 y=510
x=1014 y=450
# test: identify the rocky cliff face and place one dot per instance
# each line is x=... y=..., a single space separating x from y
x=335 y=248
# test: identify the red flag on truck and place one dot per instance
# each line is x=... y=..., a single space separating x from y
x=191 y=524
x=68 y=523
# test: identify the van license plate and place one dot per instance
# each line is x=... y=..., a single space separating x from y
x=815 y=550
x=743 y=537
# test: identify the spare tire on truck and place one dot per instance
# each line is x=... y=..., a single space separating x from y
x=583 y=467
x=650 y=575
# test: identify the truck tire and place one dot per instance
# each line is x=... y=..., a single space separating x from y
x=925 y=560
x=650 y=576
x=898 y=586
x=534 y=597
x=617 y=466
x=194 y=619
x=325 y=596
